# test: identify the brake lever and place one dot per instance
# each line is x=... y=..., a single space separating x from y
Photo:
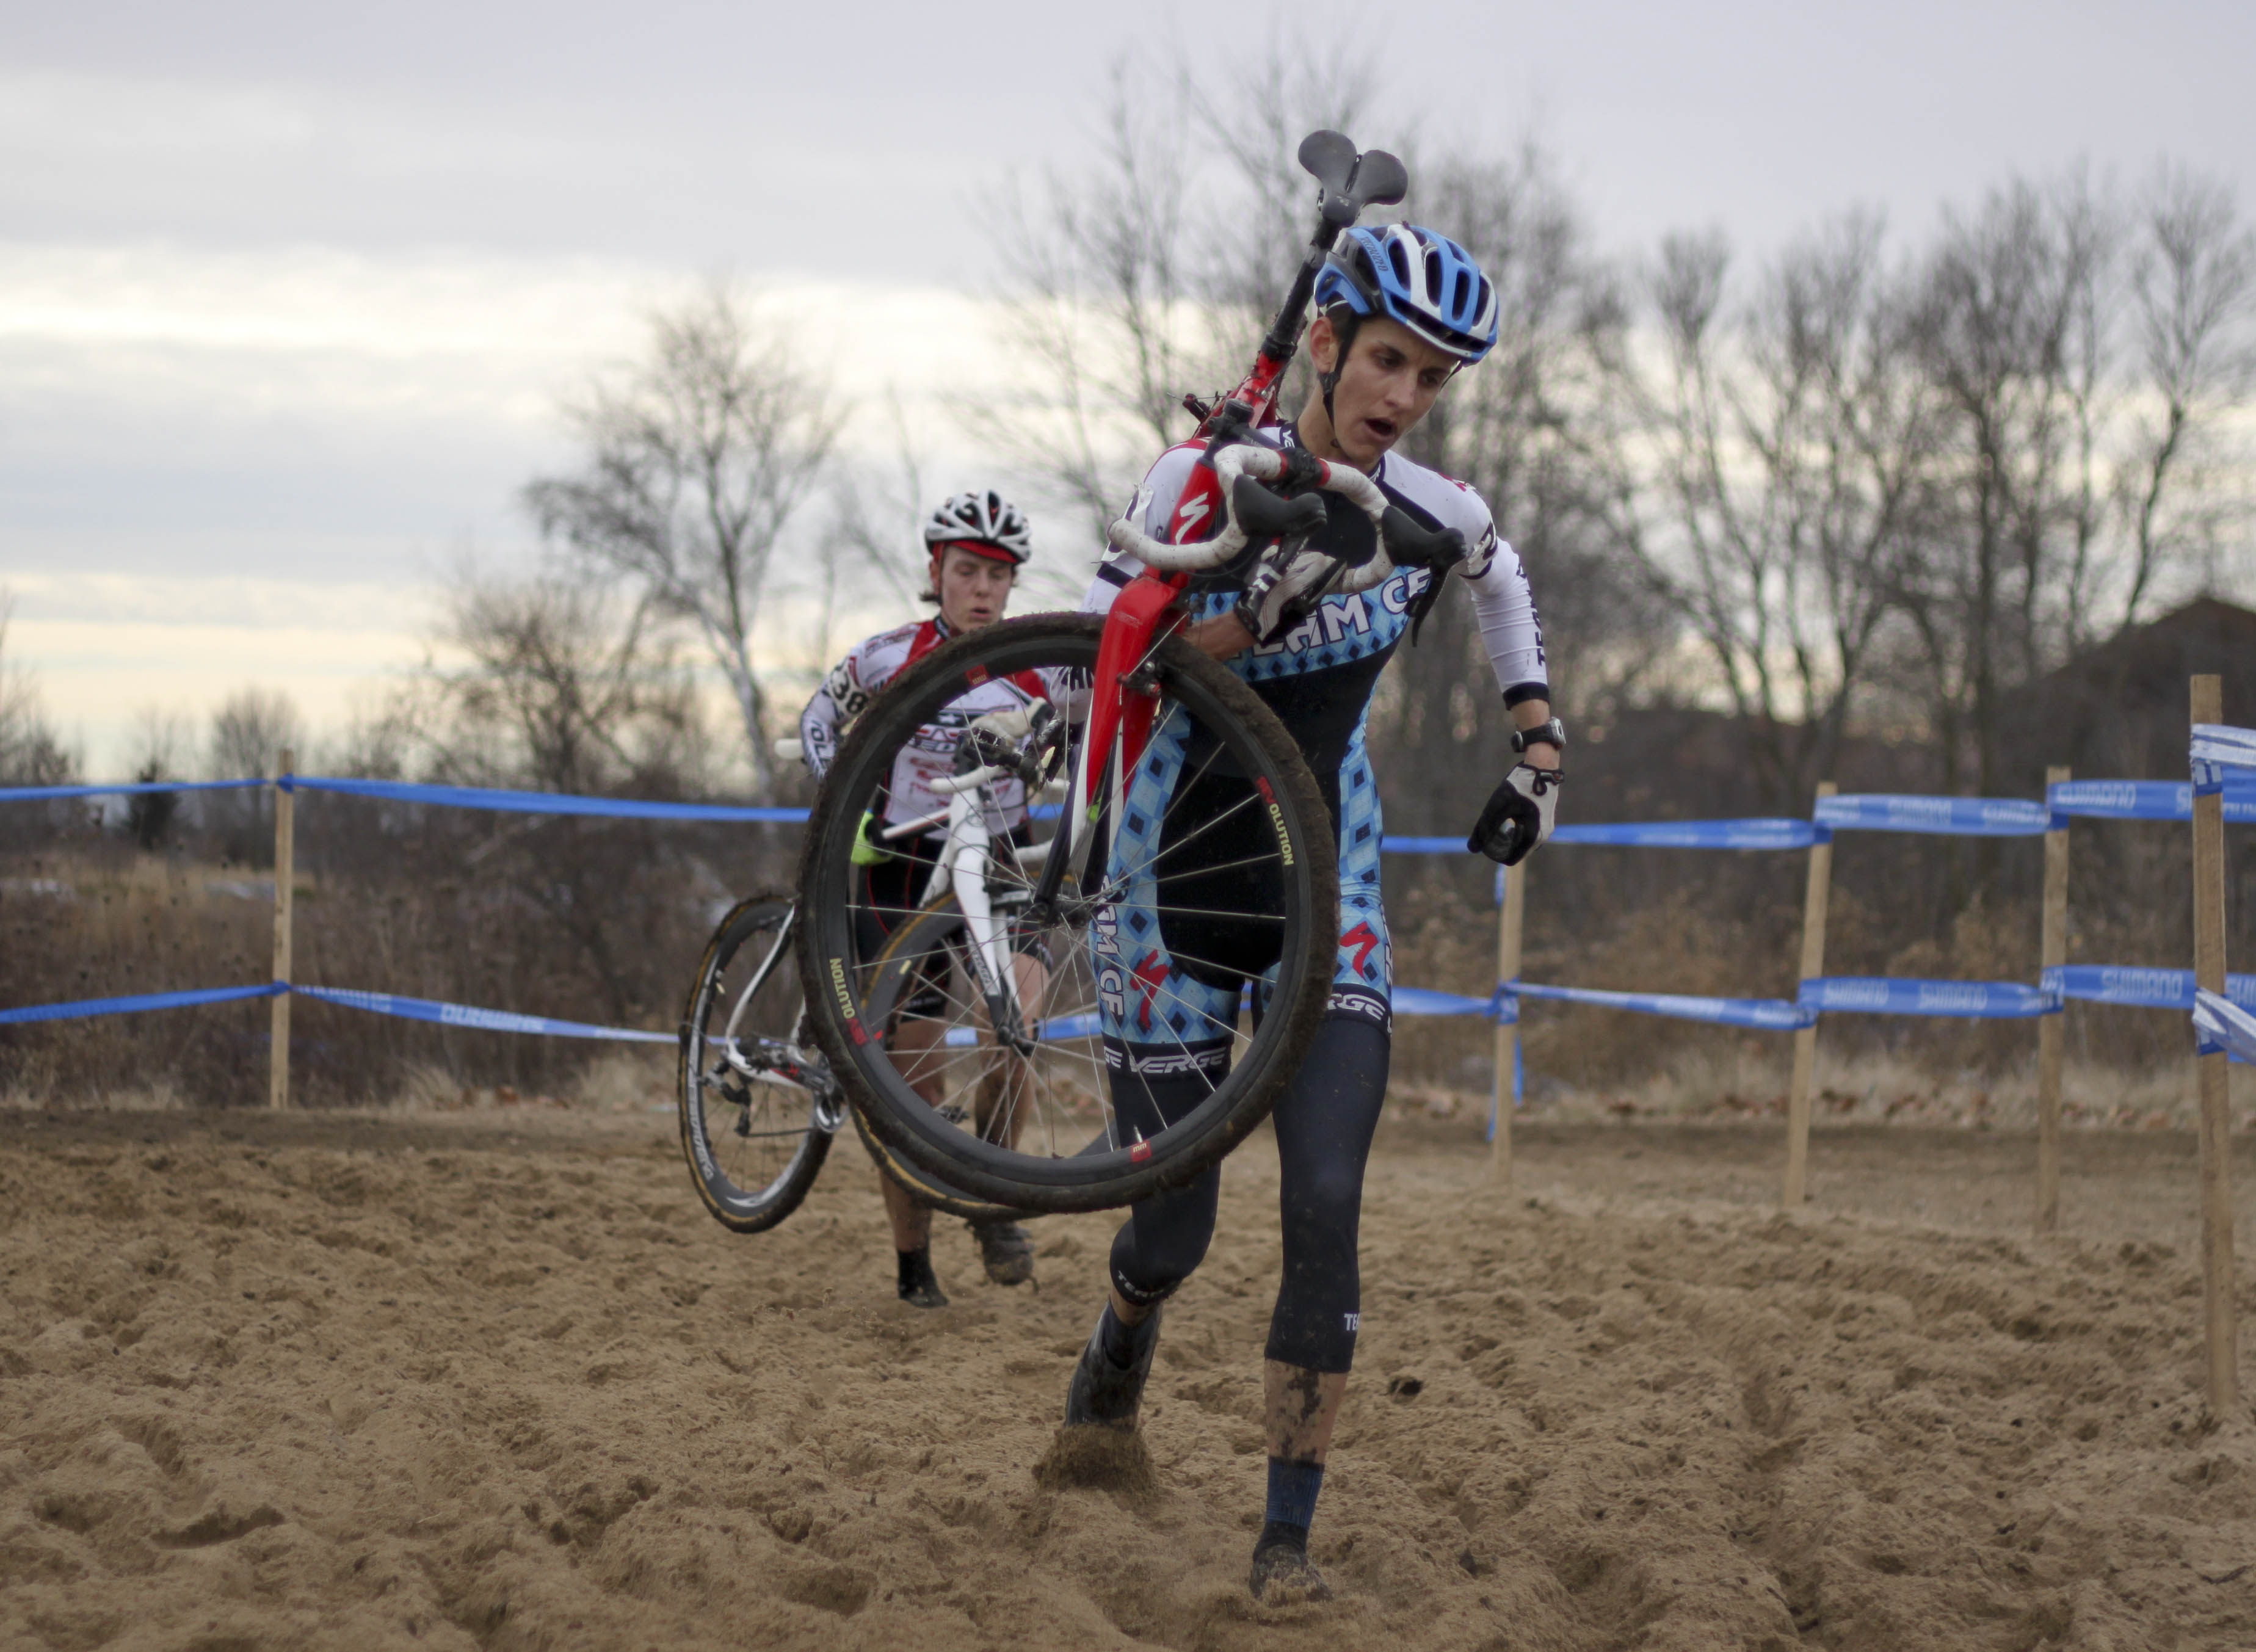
x=1412 y=545
x=1264 y=515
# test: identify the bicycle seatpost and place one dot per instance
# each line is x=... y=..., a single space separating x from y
x=1348 y=183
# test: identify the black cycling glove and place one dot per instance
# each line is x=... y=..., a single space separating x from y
x=1519 y=815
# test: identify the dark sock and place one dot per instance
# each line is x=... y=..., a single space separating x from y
x=1292 y=1489
x=1119 y=1341
x=916 y=1266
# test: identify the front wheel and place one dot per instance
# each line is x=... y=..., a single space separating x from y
x=753 y=1128
x=1201 y=884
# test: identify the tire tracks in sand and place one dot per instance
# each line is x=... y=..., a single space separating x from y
x=400 y=1384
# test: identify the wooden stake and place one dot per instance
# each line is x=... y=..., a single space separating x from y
x=1509 y=920
x=2216 y=1114
x=277 y=1054
x=2052 y=953
x=1805 y=1041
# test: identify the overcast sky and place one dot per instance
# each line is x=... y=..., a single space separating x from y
x=288 y=292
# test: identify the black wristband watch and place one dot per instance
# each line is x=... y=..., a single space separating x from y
x=1552 y=732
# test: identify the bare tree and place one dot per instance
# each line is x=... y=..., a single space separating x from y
x=249 y=733
x=1153 y=271
x=2012 y=337
x=698 y=459
x=160 y=739
x=1526 y=429
x=1255 y=228
x=561 y=687
x=31 y=752
x=2193 y=290
x=1780 y=446
x=1100 y=307
x=877 y=525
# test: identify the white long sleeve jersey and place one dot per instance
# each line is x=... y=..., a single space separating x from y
x=854 y=681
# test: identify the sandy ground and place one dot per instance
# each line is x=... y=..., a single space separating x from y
x=451 y=1383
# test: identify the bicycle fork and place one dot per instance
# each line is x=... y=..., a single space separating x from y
x=1117 y=726
x=963 y=865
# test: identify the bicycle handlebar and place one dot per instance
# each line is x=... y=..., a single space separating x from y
x=1397 y=532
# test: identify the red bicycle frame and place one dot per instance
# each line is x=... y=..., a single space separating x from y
x=1148 y=608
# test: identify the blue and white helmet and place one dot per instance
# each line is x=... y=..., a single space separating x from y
x=1425 y=281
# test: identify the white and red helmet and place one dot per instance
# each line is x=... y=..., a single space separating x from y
x=984 y=524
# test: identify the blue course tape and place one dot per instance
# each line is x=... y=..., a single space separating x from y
x=2147 y=799
x=1987 y=816
x=134 y=1005
x=1064 y=1028
x=1422 y=1001
x=540 y=802
x=38 y=794
x=1698 y=834
x=2140 y=988
x=1772 y=1014
x=1652 y=834
x=2221 y=1027
x=1956 y=817
x=481 y=1020
x=1889 y=995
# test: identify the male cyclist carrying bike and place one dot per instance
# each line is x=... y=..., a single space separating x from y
x=1402 y=310
x=976 y=543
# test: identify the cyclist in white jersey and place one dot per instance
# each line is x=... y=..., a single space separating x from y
x=976 y=541
x=1402 y=310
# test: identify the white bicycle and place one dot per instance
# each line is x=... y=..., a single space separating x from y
x=758 y=1103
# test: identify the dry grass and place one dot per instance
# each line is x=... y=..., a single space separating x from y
x=600 y=925
x=1738 y=1084
x=603 y=925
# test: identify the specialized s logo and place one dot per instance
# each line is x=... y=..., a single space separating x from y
x=1189 y=512
x=1151 y=978
x=1362 y=940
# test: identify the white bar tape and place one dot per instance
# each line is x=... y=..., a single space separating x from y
x=1267 y=464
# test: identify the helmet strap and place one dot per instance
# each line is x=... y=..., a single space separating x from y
x=1344 y=322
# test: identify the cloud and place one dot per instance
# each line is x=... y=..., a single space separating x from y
x=197 y=446
x=188 y=393
x=102 y=157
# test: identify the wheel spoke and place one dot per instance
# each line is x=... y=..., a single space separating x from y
x=1008 y=1108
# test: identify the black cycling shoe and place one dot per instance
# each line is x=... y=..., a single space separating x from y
x=1106 y=1394
x=1007 y=1250
x=1282 y=1572
x=918 y=1287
